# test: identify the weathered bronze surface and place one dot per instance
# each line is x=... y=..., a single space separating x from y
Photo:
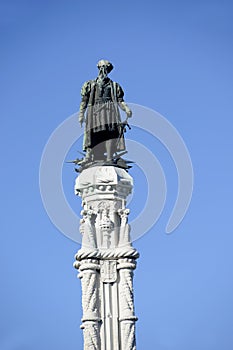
x=99 y=110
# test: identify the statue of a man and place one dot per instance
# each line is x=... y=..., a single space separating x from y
x=100 y=100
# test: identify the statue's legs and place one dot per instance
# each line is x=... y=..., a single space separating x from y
x=109 y=144
x=102 y=142
x=98 y=151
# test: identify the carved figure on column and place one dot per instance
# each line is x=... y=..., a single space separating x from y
x=124 y=239
x=87 y=229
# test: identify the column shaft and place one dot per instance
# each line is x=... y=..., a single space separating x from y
x=106 y=260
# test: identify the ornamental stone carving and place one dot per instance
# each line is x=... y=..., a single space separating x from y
x=106 y=259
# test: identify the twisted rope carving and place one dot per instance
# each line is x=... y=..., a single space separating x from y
x=127 y=252
x=90 y=310
x=128 y=333
x=89 y=299
x=91 y=336
x=126 y=294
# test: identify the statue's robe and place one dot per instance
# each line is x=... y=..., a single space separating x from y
x=102 y=115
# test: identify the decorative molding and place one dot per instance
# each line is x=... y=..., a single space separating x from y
x=117 y=253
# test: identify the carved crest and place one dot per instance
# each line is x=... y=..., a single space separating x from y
x=108 y=271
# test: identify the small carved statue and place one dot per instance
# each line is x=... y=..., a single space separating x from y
x=99 y=109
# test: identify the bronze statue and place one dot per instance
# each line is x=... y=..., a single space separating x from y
x=104 y=131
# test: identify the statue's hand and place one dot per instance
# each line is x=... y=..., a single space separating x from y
x=129 y=113
x=124 y=124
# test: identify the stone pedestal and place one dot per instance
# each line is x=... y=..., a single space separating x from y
x=106 y=259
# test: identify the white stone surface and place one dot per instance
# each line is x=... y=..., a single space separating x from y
x=106 y=259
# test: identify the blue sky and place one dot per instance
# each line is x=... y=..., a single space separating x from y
x=172 y=56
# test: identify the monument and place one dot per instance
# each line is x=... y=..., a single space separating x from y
x=107 y=259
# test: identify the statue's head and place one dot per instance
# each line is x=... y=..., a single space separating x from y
x=105 y=66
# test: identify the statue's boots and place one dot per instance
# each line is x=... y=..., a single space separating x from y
x=88 y=156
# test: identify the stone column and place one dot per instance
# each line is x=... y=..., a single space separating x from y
x=106 y=259
x=126 y=304
x=89 y=275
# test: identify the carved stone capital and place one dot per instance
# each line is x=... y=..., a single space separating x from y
x=103 y=182
x=123 y=213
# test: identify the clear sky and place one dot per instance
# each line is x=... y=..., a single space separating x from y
x=172 y=56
